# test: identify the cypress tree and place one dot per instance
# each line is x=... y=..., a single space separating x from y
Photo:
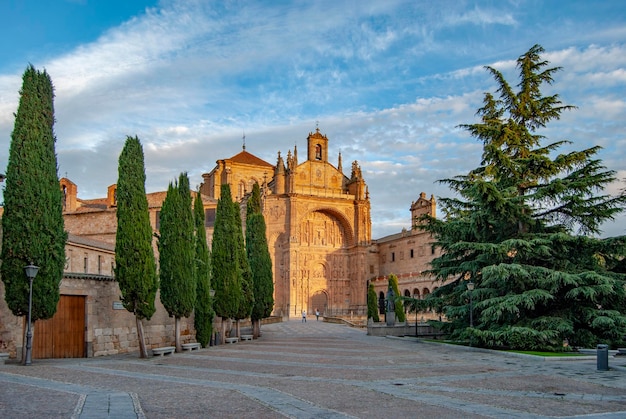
x=135 y=268
x=372 y=304
x=203 y=312
x=32 y=222
x=522 y=229
x=397 y=304
x=260 y=261
x=176 y=253
x=247 y=287
x=225 y=268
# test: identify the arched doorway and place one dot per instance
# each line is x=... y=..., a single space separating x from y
x=321 y=276
x=319 y=301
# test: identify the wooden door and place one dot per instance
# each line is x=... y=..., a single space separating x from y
x=62 y=336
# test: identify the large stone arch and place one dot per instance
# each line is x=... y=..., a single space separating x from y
x=345 y=225
x=323 y=238
x=319 y=301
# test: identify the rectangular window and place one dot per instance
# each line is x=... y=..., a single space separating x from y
x=85 y=264
x=158 y=220
x=393 y=256
x=209 y=217
x=412 y=254
x=99 y=264
x=371 y=269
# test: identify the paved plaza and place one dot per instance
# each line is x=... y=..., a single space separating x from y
x=316 y=370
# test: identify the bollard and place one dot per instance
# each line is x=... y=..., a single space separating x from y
x=603 y=357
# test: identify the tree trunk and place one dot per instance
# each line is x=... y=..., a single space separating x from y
x=237 y=328
x=256 y=328
x=177 y=334
x=223 y=334
x=143 y=351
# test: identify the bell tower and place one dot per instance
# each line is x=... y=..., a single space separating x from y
x=317 y=149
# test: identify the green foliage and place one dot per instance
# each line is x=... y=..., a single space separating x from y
x=32 y=223
x=521 y=229
x=203 y=312
x=135 y=268
x=177 y=250
x=246 y=304
x=398 y=306
x=372 y=304
x=225 y=254
x=259 y=257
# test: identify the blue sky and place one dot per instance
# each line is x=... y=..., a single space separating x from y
x=388 y=82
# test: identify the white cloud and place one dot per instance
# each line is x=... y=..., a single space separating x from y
x=389 y=83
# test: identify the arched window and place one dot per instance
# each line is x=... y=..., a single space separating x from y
x=318 y=152
x=242 y=190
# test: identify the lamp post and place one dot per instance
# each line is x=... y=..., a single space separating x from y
x=470 y=288
x=31 y=273
x=415 y=297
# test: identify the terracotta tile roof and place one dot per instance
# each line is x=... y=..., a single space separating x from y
x=246 y=158
x=72 y=238
x=155 y=200
x=91 y=205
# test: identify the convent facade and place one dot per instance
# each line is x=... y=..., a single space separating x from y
x=318 y=230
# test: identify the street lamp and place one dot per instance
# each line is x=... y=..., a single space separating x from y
x=415 y=297
x=470 y=288
x=31 y=273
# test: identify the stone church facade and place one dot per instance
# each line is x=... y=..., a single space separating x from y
x=318 y=225
x=318 y=230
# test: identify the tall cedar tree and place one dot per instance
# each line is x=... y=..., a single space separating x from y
x=135 y=268
x=247 y=287
x=521 y=229
x=259 y=260
x=225 y=268
x=397 y=304
x=203 y=311
x=32 y=222
x=372 y=304
x=176 y=254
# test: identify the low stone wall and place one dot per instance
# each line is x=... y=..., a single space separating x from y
x=110 y=329
x=353 y=323
x=402 y=329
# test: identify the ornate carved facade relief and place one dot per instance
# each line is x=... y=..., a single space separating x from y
x=319 y=229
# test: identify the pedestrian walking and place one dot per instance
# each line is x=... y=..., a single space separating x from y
x=317 y=314
x=303 y=316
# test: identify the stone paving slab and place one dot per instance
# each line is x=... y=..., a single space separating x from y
x=316 y=370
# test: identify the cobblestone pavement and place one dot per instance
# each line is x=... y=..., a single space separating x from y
x=316 y=370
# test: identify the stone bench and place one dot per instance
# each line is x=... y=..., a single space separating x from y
x=231 y=340
x=165 y=350
x=621 y=352
x=246 y=337
x=191 y=346
x=3 y=358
